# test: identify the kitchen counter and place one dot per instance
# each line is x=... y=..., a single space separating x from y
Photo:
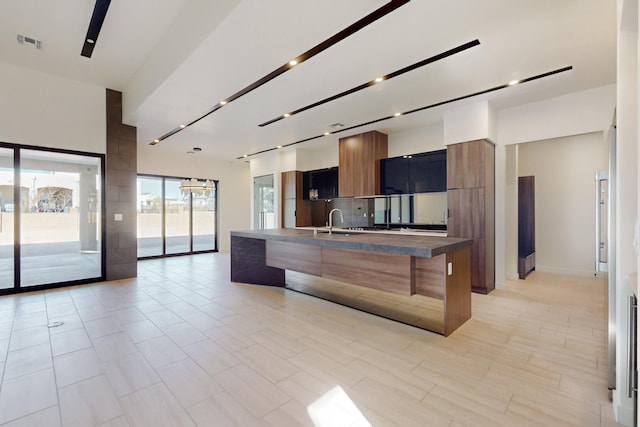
x=389 y=242
x=406 y=265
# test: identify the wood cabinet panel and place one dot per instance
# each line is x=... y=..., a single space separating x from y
x=457 y=291
x=526 y=225
x=295 y=257
x=288 y=187
x=466 y=212
x=430 y=276
x=359 y=164
x=295 y=212
x=383 y=271
x=471 y=204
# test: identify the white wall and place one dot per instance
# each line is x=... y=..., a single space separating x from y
x=325 y=156
x=48 y=111
x=574 y=114
x=233 y=204
x=564 y=170
x=428 y=138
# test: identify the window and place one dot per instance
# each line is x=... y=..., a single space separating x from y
x=176 y=216
x=51 y=211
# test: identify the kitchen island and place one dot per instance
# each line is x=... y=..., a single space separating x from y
x=403 y=272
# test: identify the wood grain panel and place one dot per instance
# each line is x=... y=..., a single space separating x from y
x=466 y=164
x=294 y=256
x=479 y=266
x=471 y=203
x=359 y=160
x=430 y=274
x=387 y=272
x=467 y=212
x=457 y=298
x=295 y=211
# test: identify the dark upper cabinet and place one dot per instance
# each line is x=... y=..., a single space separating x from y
x=323 y=180
x=417 y=173
x=394 y=175
x=428 y=172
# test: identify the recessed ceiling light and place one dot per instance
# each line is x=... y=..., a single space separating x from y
x=514 y=82
x=197 y=149
x=223 y=102
x=326 y=133
x=378 y=79
x=92 y=41
x=286 y=115
x=279 y=146
x=360 y=24
x=397 y=114
x=156 y=140
x=293 y=62
x=183 y=126
x=245 y=156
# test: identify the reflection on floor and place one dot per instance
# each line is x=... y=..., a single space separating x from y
x=181 y=345
x=416 y=310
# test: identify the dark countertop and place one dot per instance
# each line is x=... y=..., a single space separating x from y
x=422 y=246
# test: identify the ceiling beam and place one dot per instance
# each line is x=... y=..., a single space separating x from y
x=97 y=19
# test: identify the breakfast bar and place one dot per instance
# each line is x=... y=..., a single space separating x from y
x=398 y=266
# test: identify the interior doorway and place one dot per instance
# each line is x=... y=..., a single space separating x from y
x=263 y=206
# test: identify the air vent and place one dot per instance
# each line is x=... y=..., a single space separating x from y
x=29 y=41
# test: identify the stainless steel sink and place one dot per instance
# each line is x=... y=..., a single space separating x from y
x=340 y=232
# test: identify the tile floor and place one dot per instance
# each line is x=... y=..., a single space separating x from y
x=180 y=345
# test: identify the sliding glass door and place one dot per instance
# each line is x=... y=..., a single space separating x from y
x=203 y=216
x=60 y=233
x=177 y=208
x=7 y=220
x=50 y=218
x=150 y=209
x=176 y=216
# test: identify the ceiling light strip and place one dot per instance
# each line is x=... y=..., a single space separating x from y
x=415 y=110
x=389 y=76
x=95 y=25
x=336 y=38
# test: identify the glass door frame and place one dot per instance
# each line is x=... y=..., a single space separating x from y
x=164 y=254
x=17 y=214
x=258 y=187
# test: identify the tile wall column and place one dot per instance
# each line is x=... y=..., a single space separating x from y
x=121 y=174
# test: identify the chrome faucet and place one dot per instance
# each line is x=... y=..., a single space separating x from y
x=331 y=218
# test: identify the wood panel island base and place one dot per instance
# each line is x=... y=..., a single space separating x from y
x=424 y=281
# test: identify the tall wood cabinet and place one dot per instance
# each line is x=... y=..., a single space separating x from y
x=526 y=226
x=296 y=212
x=359 y=159
x=471 y=204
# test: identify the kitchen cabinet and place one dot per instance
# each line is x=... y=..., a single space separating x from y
x=359 y=164
x=415 y=173
x=428 y=172
x=526 y=226
x=325 y=181
x=394 y=175
x=296 y=212
x=471 y=205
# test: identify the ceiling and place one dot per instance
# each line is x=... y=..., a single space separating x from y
x=176 y=59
